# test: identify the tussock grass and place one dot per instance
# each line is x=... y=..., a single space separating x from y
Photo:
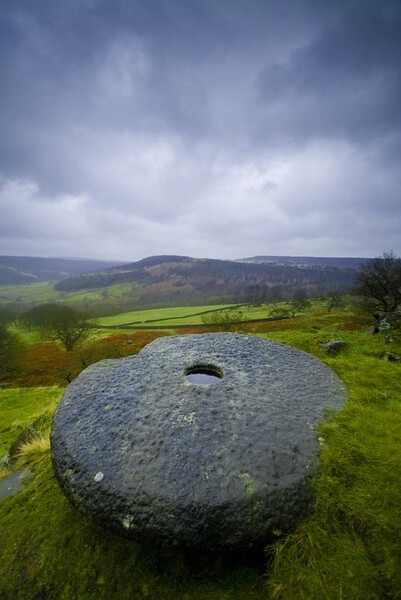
x=32 y=453
x=4 y=472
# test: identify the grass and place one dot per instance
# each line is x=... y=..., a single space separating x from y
x=192 y=315
x=30 y=292
x=34 y=452
x=43 y=291
x=349 y=548
x=177 y=315
x=18 y=407
x=57 y=553
x=352 y=542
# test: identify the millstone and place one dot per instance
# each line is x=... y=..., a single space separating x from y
x=140 y=448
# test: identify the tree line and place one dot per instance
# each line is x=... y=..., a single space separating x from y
x=378 y=291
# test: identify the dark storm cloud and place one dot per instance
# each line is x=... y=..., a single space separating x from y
x=150 y=117
x=347 y=81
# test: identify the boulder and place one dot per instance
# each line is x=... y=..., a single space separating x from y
x=199 y=440
x=333 y=347
x=391 y=356
x=13 y=483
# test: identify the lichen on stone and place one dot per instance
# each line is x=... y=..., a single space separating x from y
x=212 y=466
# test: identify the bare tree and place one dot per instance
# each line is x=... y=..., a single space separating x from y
x=223 y=320
x=379 y=287
x=335 y=299
x=57 y=322
x=298 y=302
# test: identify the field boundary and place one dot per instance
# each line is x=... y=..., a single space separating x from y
x=205 y=325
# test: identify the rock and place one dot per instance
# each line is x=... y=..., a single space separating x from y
x=5 y=462
x=333 y=347
x=391 y=356
x=385 y=321
x=141 y=450
x=13 y=483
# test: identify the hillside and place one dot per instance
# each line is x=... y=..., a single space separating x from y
x=177 y=279
x=328 y=261
x=18 y=270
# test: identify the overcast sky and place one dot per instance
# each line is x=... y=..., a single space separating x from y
x=208 y=128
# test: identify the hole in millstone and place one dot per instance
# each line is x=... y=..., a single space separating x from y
x=204 y=374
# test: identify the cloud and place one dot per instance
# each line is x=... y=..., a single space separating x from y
x=346 y=83
x=213 y=129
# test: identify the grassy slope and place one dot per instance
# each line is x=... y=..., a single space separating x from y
x=20 y=406
x=44 y=292
x=349 y=548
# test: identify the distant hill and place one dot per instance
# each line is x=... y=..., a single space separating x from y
x=185 y=280
x=338 y=262
x=15 y=270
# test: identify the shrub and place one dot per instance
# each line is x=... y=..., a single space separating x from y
x=11 y=352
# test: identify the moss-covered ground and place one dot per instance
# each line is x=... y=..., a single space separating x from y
x=349 y=548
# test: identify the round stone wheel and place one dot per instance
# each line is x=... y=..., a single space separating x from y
x=199 y=440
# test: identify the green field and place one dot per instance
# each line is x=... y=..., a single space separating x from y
x=192 y=315
x=178 y=315
x=44 y=292
x=32 y=292
x=348 y=548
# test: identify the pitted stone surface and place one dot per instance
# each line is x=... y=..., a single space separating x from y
x=141 y=450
